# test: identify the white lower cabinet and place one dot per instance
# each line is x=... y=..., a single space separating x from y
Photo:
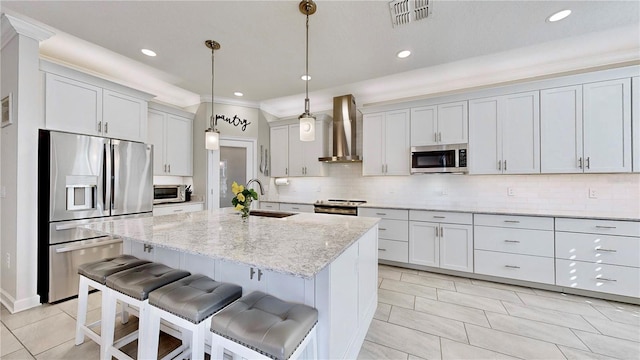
x=144 y=251
x=393 y=233
x=267 y=205
x=304 y=208
x=515 y=247
x=177 y=208
x=598 y=255
x=447 y=243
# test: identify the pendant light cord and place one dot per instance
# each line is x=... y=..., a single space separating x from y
x=213 y=120
x=306 y=100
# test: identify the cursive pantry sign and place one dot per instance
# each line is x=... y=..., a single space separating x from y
x=235 y=121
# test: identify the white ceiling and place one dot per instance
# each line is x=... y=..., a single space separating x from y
x=351 y=42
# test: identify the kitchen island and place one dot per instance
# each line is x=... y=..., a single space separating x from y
x=325 y=261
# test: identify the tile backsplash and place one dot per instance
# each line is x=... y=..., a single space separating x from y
x=596 y=195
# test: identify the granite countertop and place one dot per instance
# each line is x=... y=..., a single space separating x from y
x=300 y=245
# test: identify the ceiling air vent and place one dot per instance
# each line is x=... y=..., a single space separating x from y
x=406 y=11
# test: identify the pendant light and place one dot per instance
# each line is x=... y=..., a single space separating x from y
x=212 y=135
x=307 y=120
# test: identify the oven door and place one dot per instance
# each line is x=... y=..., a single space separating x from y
x=65 y=258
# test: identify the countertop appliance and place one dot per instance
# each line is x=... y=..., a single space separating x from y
x=339 y=207
x=84 y=179
x=439 y=159
x=163 y=194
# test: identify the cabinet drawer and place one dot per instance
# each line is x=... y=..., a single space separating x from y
x=514 y=221
x=176 y=209
x=393 y=230
x=397 y=214
x=612 y=279
x=393 y=250
x=606 y=249
x=607 y=227
x=515 y=241
x=269 y=205
x=513 y=266
x=441 y=217
x=305 y=208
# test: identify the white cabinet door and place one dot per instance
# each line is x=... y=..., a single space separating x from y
x=521 y=133
x=124 y=117
x=72 y=105
x=373 y=144
x=453 y=123
x=179 y=146
x=397 y=149
x=312 y=150
x=607 y=126
x=456 y=247
x=424 y=247
x=561 y=130
x=635 y=122
x=367 y=273
x=485 y=147
x=242 y=275
x=279 y=136
x=156 y=138
x=424 y=126
x=296 y=152
x=344 y=274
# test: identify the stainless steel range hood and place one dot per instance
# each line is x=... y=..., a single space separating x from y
x=344 y=131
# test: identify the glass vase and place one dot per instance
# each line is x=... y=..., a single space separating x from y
x=247 y=208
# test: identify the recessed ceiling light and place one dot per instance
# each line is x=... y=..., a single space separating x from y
x=238 y=93
x=559 y=15
x=305 y=77
x=148 y=52
x=403 y=54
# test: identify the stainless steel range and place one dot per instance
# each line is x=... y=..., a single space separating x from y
x=339 y=207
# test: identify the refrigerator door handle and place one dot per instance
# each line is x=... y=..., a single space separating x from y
x=114 y=174
x=104 y=177
x=88 y=246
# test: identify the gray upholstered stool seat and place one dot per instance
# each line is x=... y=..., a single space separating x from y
x=195 y=297
x=189 y=304
x=94 y=275
x=99 y=270
x=138 y=282
x=265 y=324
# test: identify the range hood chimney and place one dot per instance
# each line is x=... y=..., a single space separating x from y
x=344 y=131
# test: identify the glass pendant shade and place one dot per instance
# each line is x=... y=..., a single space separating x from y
x=307 y=127
x=212 y=139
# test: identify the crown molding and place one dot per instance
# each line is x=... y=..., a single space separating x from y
x=229 y=101
x=12 y=26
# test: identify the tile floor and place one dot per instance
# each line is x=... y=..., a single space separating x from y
x=420 y=315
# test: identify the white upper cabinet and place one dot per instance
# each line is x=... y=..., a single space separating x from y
x=385 y=145
x=441 y=124
x=172 y=139
x=505 y=134
x=635 y=122
x=279 y=137
x=75 y=105
x=587 y=128
x=292 y=157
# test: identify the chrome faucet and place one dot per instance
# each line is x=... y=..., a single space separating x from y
x=259 y=185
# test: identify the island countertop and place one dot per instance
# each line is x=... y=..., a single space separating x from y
x=300 y=245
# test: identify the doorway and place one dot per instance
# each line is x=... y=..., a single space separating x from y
x=234 y=162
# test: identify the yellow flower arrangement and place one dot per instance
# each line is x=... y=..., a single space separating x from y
x=242 y=199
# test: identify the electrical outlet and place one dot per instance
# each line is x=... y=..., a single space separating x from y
x=511 y=191
x=593 y=193
x=444 y=192
x=8 y=261
x=3 y=192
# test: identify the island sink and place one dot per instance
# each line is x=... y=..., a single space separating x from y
x=273 y=214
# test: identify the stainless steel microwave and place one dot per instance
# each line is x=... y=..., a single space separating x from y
x=439 y=159
x=169 y=193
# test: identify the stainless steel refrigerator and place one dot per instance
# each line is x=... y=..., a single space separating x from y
x=84 y=179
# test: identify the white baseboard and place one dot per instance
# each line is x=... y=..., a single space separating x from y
x=14 y=305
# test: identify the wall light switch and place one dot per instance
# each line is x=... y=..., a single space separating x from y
x=593 y=193
x=3 y=192
x=511 y=191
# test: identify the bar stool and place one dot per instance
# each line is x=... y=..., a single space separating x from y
x=94 y=274
x=133 y=287
x=188 y=303
x=261 y=326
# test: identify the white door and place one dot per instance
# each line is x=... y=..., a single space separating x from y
x=223 y=170
x=372 y=144
x=424 y=248
x=456 y=247
x=424 y=128
x=397 y=149
x=635 y=122
x=452 y=123
x=156 y=136
x=179 y=145
x=296 y=151
x=72 y=105
x=123 y=116
x=484 y=147
x=521 y=133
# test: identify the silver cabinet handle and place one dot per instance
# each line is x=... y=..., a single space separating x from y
x=439 y=217
x=436 y=231
x=512 y=221
x=251 y=273
x=500 y=165
x=147 y=248
x=295 y=208
x=607 y=250
x=439 y=136
x=286 y=171
x=178 y=210
x=607 y=279
x=512 y=266
x=106 y=127
x=512 y=241
x=604 y=227
x=505 y=165
x=441 y=231
x=382 y=229
x=580 y=163
x=382 y=249
x=259 y=274
x=435 y=136
x=169 y=166
x=99 y=126
x=588 y=162
x=382 y=214
x=87 y=246
x=386 y=168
